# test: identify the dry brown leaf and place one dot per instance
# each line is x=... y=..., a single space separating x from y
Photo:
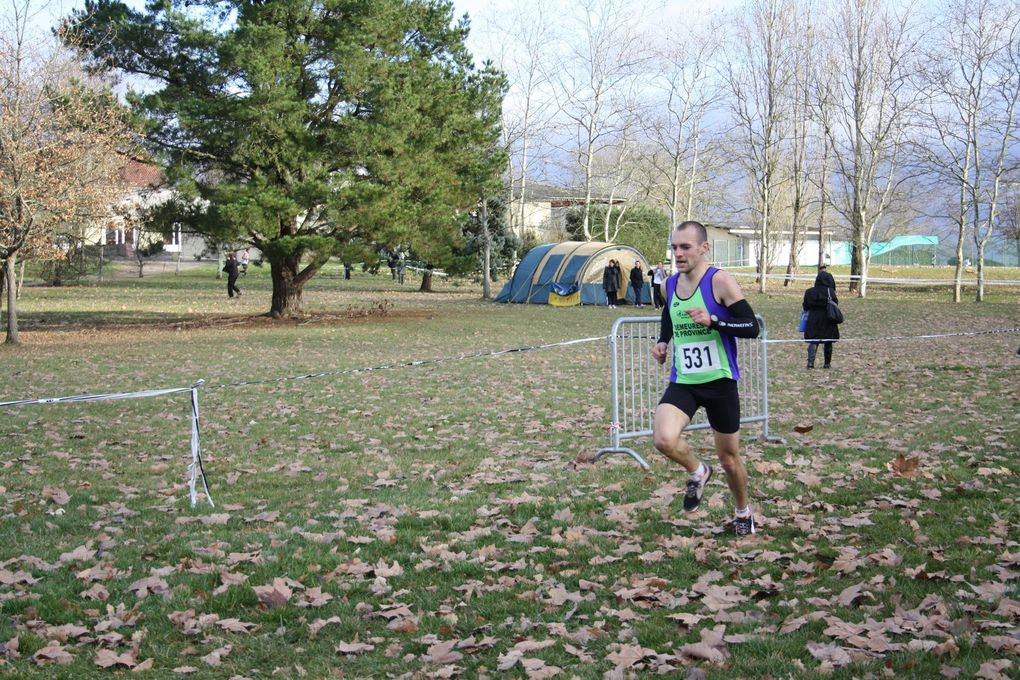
x=276 y=594
x=107 y=658
x=154 y=585
x=216 y=656
x=352 y=648
x=318 y=624
x=237 y=626
x=10 y=649
x=905 y=467
x=442 y=653
x=833 y=655
x=629 y=655
x=52 y=653
x=995 y=670
x=537 y=669
x=56 y=494
x=712 y=647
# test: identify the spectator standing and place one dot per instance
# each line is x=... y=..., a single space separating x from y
x=231 y=269
x=611 y=282
x=637 y=282
x=819 y=327
x=659 y=277
x=244 y=263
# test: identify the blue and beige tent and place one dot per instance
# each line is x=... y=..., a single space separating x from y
x=570 y=273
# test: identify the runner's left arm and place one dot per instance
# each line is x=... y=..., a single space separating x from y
x=742 y=322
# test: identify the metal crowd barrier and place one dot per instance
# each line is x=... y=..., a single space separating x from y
x=638 y=382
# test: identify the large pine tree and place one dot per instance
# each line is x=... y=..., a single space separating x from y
x=307 y=124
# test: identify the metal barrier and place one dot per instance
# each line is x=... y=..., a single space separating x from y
x=638 y=382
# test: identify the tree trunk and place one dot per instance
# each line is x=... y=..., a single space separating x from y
x=857 y=255
x=958 y=276
x=12 y=303
x=21 y=281
x=486 y=286
x=426 y=280
x=793 y=265
x=980 y=272
x=219 y=263
x=287 y=287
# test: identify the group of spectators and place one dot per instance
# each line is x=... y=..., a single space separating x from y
x=612 y=277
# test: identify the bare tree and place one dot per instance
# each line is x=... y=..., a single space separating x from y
x=528 y=106
x=871 y=48
x=1010 y=218
x=59 y=136
x=972 y=83
x=593 y=82
x=800 y=135
x=614 y=170
x=685 y=93
x=759 y=73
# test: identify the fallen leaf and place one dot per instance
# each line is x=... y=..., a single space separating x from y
x=107 y=658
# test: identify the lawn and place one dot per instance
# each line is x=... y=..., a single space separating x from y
x=442 y=519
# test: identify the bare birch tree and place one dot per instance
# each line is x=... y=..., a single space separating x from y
x=528 y=106
x=972 y=83
x=759 y=73
x=684 y=94
x=592 y=84
x=59 y=141
x=871 y=48
x=800 y=135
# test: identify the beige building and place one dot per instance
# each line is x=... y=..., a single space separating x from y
x=545 y=210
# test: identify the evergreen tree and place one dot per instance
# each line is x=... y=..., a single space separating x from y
x=308 y=124
x=503 y=242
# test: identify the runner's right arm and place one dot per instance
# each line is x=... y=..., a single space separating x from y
x=666 y=326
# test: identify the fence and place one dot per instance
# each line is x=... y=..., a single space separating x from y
x=638 y=382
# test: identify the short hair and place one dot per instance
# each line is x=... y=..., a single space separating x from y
x=698 y=226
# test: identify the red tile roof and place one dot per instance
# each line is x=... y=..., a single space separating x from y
x=139 y=174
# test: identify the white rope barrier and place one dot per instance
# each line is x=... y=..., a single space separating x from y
x=1000 y=331
x=195 y=468
x=409 y=364
x=847 y=278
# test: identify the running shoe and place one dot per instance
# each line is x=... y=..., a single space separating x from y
x=696 y=489
x=744 y=526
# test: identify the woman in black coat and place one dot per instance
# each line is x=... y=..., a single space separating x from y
x=611 y=282
x=816 y=303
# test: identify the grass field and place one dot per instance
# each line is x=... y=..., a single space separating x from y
x=441 y=520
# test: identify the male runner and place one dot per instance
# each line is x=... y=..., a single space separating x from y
x=705 y=311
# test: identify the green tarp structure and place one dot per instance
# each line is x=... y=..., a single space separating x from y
x=911 y=250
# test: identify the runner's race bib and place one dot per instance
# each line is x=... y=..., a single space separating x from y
x=699 y=357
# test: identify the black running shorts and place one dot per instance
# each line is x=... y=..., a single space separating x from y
x=719 y=397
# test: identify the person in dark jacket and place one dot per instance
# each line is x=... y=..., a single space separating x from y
x=231 y=269
x=611 y=282
x=637 y=282
x=816 y=302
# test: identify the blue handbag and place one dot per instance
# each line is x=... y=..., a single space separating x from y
x=803 y=322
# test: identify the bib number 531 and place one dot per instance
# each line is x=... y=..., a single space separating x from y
x=699 y=357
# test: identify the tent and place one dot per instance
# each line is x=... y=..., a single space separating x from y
x=570 y=273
